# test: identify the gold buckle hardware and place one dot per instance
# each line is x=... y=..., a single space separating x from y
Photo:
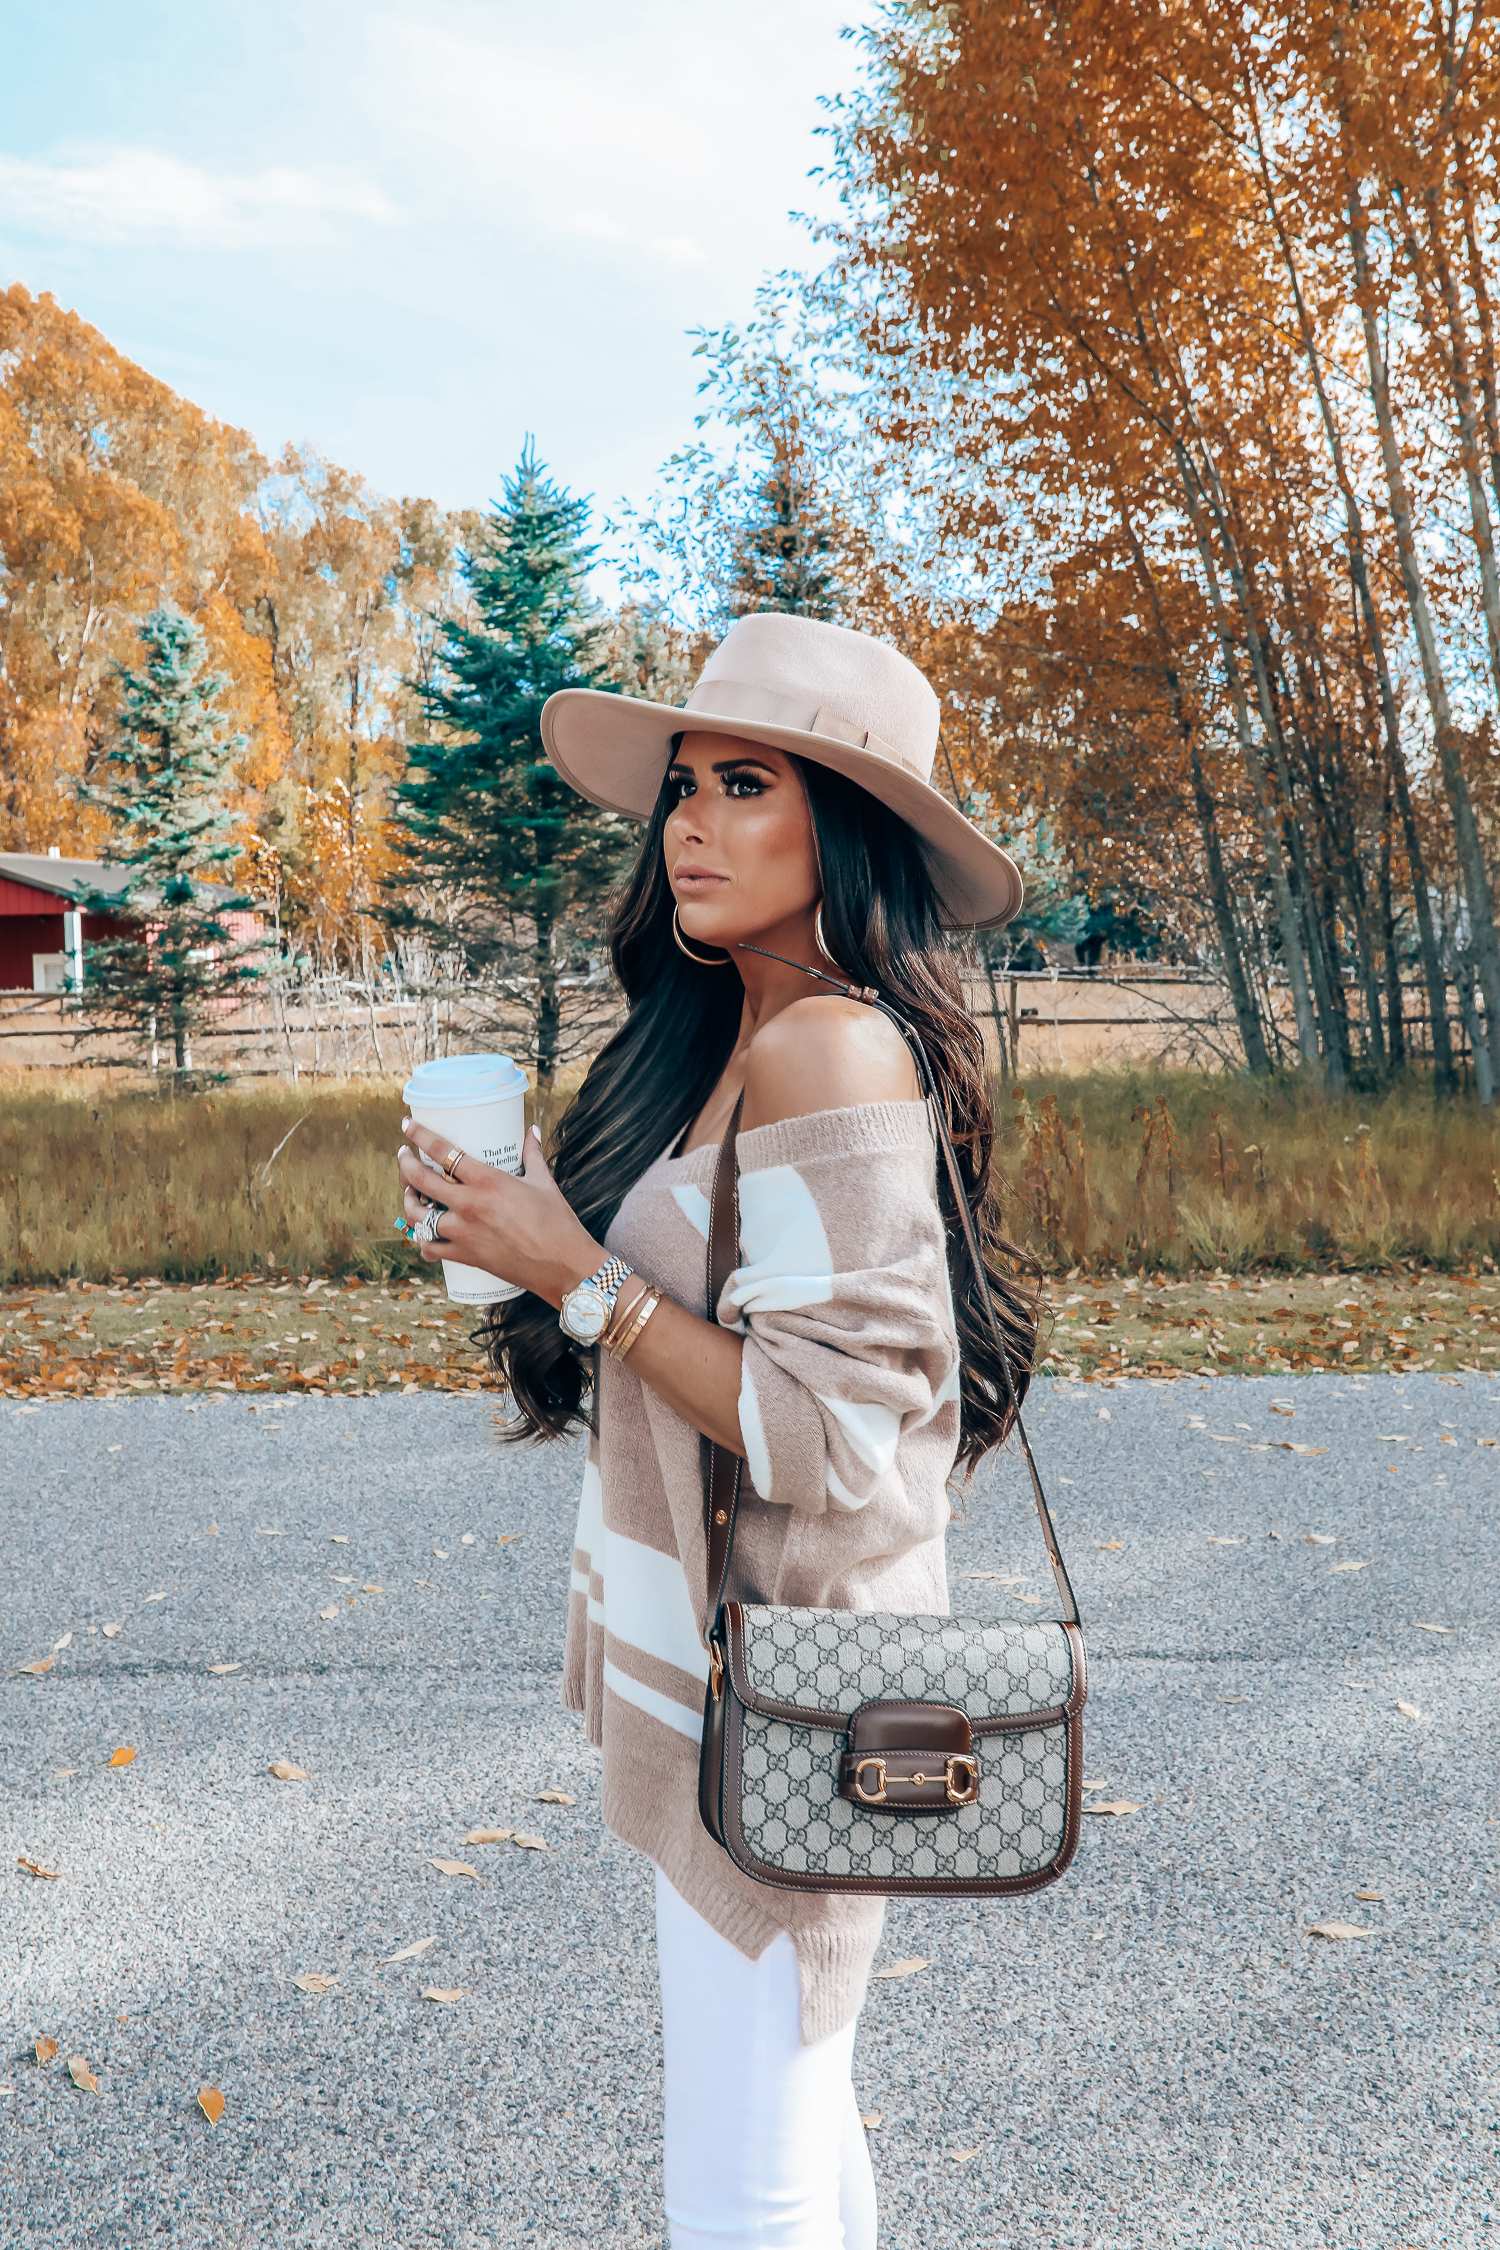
x=969 y=1795
x=715 y=1670
x=864 y=1795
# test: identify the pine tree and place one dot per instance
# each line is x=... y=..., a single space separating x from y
x=163 y=786
x=488 y=817
x=787 y=556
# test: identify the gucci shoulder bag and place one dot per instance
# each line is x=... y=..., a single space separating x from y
x=891 y=1755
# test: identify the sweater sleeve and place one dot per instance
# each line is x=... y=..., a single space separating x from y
x=842 y=1294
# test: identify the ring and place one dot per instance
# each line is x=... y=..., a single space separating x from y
x=426 y=1228
x=453 y=1160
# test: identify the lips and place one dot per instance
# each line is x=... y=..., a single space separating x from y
x=696 y=878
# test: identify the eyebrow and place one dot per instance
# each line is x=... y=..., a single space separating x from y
x=725 y=765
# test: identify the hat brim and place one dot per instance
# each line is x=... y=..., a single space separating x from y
x=614 y=750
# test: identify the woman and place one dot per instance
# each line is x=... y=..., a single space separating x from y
x=791 y=824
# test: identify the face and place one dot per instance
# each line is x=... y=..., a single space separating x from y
x=739 y=844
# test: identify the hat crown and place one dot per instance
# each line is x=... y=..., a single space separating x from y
x=850 y=683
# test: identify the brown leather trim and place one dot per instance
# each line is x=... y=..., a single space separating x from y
x=711 y=1763
x=1009 y=1722
x=939 y=1727
x=870 y=1886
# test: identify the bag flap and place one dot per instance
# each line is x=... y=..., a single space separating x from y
x=818 y=1666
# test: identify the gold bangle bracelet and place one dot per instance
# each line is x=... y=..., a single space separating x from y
x=624 y=1305
x=643 y=1311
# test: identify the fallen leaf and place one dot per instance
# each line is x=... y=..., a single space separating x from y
x=153 y=1598
x=907 y=1968
x=1226 y=1542
x=285 y=1771
x=1377 y=1896
x=467 y=1539
x=315 y=1983
x=1443 y=1439
x=339 y=1538
x=331 y=1611
x=1236 y=1699
x=1112 y=1547
x=441 y=1553
x=66 y=1773
x=489 y=1836
x=219 y=1670
x=372 y=1589
x=1487 y=1441
x=1099 y=1785
x=123 y=1757
x=211 y=2102
x=1119 y=1808
x=45 y=2050
x=436 y=1992
x=110 y=1631
x=1304 y=1448
x=455 y=1867
x=1419 y=1627
x=506 y=1537
x=961 y=2155
x=1347 y=1566
x=553 y=1797
x=35 y=1867
x=1222 y=1440
x=1409 y=1709
x=1288 y=1411
x=530 y=1843
x=1320 y=1539
x=410 y=1952
x=870 y=2118
x=42 y=1664
x=82 y=2077
x=65 y=1642
x=1336 y=1930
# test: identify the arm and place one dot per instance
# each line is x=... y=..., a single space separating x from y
x=818 y=1054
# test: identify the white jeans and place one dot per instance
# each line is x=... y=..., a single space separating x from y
x=764 y=2147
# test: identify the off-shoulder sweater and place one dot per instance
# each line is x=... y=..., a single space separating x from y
x=849 y=1413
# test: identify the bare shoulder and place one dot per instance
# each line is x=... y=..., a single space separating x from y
x=825 y=1053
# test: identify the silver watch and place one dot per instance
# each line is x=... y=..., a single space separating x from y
x=586 y=1310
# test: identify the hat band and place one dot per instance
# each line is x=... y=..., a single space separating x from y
x=739 y=699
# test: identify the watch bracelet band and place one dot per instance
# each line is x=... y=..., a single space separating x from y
x=609 y=1279
x=642 y=1309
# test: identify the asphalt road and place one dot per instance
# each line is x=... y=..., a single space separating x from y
x=1152 y=2053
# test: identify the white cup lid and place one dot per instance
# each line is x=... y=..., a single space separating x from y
x=452 y=1080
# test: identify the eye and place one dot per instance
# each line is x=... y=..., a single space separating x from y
x=746 y=784
x=680 y=786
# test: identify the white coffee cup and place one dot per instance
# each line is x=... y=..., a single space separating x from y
x=479 y=1103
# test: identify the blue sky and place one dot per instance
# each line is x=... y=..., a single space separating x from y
x=411 y=234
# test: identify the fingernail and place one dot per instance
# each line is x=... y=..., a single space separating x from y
x=536 y=1136
x=406 y=1124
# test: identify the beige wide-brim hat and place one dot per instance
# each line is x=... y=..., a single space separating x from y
x=842 y=699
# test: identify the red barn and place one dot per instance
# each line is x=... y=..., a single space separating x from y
x=42 y=933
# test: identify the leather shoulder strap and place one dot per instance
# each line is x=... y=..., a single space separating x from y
x=721 y=1479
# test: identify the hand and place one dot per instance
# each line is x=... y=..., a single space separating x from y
x=519 y=1226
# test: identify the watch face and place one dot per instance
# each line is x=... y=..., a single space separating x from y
x=586 y=1313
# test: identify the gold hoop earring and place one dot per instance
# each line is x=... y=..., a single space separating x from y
x=704 y=960
x=821 y=942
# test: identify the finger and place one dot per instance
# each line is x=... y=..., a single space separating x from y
x=423 y=1137
x=534 y=1163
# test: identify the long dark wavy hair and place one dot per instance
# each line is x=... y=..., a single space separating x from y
x=881 y=924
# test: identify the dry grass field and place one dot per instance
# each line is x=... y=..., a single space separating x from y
x=1188 y=1171
x=1176 y=1173
x=242 y=1240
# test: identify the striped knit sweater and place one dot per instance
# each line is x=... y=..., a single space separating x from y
x=849 y=1413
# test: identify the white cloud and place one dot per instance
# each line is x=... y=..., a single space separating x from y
x=127 y=194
